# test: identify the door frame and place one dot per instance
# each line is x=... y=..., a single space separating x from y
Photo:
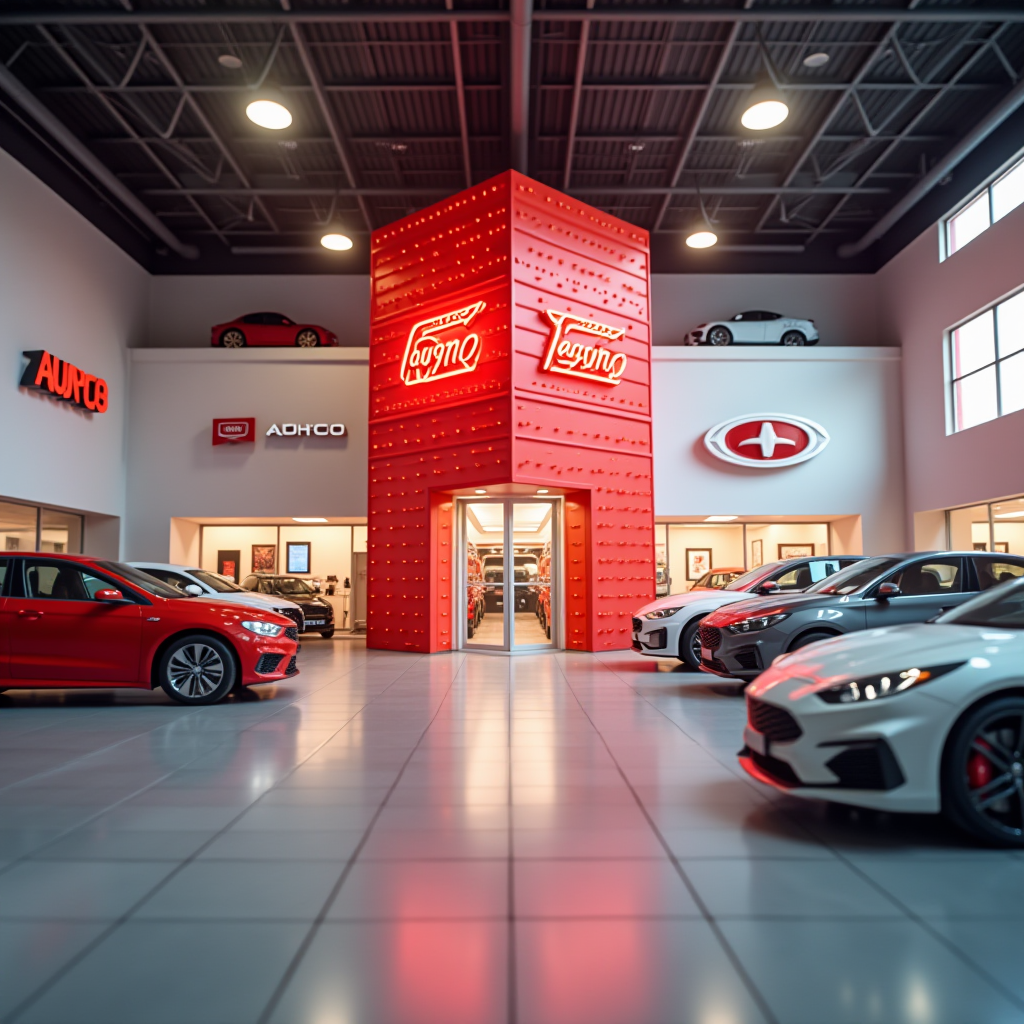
x=458 y=613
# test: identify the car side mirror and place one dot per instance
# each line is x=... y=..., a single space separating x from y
x=769 y=587
x=109 y=595
x=887 y=590
x=194 y=589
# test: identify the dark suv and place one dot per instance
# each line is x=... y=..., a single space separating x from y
x=743 y=639
x=318 y=611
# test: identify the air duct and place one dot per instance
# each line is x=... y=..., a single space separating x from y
x=521 y=29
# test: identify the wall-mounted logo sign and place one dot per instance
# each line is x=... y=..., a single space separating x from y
x=234 y=431
x=64 y=381
x=440 y=347
x=768 y=441
x=307 y=430
x=579 y=359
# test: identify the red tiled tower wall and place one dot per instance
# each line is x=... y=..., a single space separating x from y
x=522 y=249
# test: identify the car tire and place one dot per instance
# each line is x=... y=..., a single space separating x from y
x=689 y=646
x=327 y=633
x=547 y=630
x=807 y=639
x=793 y=338
x=470 y=630
x=719 y=336
x=197 y=669
x=232 y=338
x=1001 y=823
x=307 y=338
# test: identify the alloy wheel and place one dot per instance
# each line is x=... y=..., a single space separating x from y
x=232 y=339
x=307 y=339
x=994 y=772
x=720 y=336
x=695 y=646
x=195 y=670
x=793 y=338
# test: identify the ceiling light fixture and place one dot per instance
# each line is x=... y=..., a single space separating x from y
x=336 y=241
x=542 y=490
x=269 y=111
x=229 y=60
x=703 y=238
x=765 y=108
x=816 y=60
x=308 y=519
x=720 y=519
x=480 y=490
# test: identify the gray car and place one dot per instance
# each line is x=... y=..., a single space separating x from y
x=741 y=640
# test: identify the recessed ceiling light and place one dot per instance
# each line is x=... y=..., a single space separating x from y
x=269 y=113
x=765 y=108
x=229 y=60
x=308 y=519
x=816 y=60
x=480 y=490
x=702 y=239
x=542 y=490
x=636 y=147
x=336 y=241
x=720 y=519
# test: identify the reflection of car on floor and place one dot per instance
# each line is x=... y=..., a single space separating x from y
x=755 y=327
x=888 y=590
x=70 y=621
x=718 y=578
x=203 y=583
x=918 y=718
x=317 y=612
x=667 y=627
x=270 y=329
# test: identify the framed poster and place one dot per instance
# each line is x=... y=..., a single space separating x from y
x=756 y=553
x=980 y=545
x=264 y=557
x=297 y=556
x=796 y=551
x=1003 y=546
x=698 y=562
x=229 y=563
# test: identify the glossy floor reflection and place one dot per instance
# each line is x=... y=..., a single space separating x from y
x=465 y=838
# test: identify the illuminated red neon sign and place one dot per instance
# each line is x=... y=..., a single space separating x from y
x=437 y=347
x=65 y=381
x=573 y=357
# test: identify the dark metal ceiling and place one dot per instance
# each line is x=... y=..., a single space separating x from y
x=632 y=106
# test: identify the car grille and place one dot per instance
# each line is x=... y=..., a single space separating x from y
x=268 y=663
x=775 y=723
x=637 y=625
x=293 y=667
x=710 y=637
x=291 y=632
x=291 y=613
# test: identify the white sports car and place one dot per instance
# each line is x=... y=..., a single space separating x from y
x=755 y=327
x=917 y=718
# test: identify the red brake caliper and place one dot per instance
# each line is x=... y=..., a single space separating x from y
x=979 y=768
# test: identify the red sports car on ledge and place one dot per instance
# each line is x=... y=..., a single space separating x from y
x=71 y=621
x=270 y=329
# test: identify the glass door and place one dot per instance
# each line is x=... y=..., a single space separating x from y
x=509 y=549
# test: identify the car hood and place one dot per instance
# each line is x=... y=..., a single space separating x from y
x=877 y=651
x=771 y=604
x=254 y=600
x=694 y=599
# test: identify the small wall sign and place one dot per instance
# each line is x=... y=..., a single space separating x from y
x=64 y=381
x=768 y=441
x=307 y=430
x=577 y=359
x=235 y=431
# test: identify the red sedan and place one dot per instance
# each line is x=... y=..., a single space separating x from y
x=270 y=329
x=70 y=621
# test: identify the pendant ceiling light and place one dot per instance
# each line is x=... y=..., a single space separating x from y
x=765 y=106
x=336 y=240
x=701 y=235
x=268 y=110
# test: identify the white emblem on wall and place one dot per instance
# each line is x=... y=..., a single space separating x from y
x=769 y=440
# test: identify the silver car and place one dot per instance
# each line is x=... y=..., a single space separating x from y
x=755 y=327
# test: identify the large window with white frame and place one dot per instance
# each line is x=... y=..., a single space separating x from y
x=986 y=365
x=993 y=203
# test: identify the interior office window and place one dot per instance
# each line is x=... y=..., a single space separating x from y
x=60 y=532
x=17 y=527
x=997 y=199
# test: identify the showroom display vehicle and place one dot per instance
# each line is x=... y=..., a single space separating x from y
x=668 y=626
x=317 y=611
x=917 y=718
x=754 y=327
x=887 y=590
x=270 y=329
x=203 y=583
x=68 y=621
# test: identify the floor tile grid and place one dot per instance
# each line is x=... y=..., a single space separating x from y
x=37 y=993
x=755 y=994
x=904 y=910
x=35 y=851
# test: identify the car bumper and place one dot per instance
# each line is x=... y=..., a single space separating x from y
x=266 y=661
x=316 y=622
x=742 y=656
x=657 y=638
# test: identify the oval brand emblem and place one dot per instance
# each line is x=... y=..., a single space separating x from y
x=768 y=441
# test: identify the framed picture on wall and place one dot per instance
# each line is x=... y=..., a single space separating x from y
x=229 y=564
x=297 y=556
x=756 y=553
x=796 y=551
x=698 y=562
x=264 y=557
x=980 y=545
x=1003 y=546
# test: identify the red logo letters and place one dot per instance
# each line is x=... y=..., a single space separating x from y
x=573 y=357
x=65 y=381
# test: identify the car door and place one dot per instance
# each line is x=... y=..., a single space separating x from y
x=280 y=330
x=747 y=328
x=928 y=587
x=255 y=329
x=5 y=625
x=774 y=327
x=60 y=633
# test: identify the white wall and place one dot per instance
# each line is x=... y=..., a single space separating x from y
x=67 y=288
x=854 y=393
x=920 y=299
x=183 y=309
x=772 y=535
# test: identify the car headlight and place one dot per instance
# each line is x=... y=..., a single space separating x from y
x=662 y=613
x=758 y=622
x=857 y=691
x=262 y=628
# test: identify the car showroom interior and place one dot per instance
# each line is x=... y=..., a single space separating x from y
x=512 y=512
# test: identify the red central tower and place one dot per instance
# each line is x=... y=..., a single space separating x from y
x=509 y=346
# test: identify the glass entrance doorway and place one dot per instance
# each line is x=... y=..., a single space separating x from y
x=508 y=556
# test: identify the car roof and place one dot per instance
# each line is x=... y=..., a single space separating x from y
x=165 y=565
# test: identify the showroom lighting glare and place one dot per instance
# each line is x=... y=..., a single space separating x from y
x=1009 y=515
x=269 y=113
x=720 y=519
x=336 y=241
x=480 y=490
x=308 y=519
x=542 y=490
x=703 y=238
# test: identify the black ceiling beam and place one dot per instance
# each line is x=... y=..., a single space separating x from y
x=593 y=190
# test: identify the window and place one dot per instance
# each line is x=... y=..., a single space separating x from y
x=991 y=572
x=61 y=582
x=929 y=578
x=986 y=361
x=997 y=199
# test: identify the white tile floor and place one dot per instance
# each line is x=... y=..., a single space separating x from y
x=390 y=839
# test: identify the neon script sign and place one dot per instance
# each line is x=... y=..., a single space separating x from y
x=64 y=381
x=439 y=347
x=578 y=359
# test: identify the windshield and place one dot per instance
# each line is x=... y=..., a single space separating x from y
x=748 y=579
x=854 y=577
x=1002 y=607
x=215 y=582
x=142 y=580
x=292 y=586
